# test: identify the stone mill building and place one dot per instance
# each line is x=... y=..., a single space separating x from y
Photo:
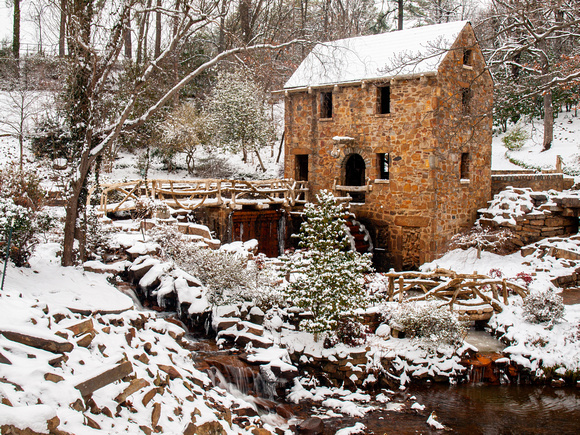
x=402 y=123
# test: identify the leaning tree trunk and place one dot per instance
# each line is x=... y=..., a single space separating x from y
x=72 y=211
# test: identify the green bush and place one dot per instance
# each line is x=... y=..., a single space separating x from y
x=515 y=139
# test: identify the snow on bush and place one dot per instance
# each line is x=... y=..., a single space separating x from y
x=326 y=278
x=428 y=322
x=229 y=277
x=543 y=307
x=26 y=224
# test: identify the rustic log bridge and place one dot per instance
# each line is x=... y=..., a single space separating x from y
x=191 y=194
x=464 y=290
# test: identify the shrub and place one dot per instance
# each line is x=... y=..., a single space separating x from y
x=428 y=322
x=543 y=307
x=229 y=277
x=23 y=187
x=351 y=332
x=25 y=225
x=515 y=139
x=97 y=235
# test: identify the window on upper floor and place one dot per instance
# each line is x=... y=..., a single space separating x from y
x=467 y=56
x=383 y=166
x=464 y=166
x=326 y=104
x=466 y=99
x=384 y=100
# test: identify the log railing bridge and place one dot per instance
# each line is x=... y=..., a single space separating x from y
x=190 y=194
x=474 y=296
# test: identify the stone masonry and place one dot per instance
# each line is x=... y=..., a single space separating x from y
x=438 y=140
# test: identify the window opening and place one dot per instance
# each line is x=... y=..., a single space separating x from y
x=464 y=166
x=301 y=167
x=384 y=103
x=326 y=104
x=355 y=175
x=465 y=99
x=383 y=166
x=467 y=57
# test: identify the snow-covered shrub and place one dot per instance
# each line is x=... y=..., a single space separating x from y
x=229 y=277
x=496 y=241
x=23 y=222
x=23 y=187
x=351 y=332
x=543 y=307
x=428 y=322
x=515 y=139
x=97 y=235
x=325 y=277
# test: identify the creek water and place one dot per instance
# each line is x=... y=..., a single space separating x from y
x=463 y=409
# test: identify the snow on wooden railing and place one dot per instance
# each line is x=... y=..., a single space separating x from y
x=467 y=290
x=191 y=194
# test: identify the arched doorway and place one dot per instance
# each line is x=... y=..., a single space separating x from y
x=354 y=175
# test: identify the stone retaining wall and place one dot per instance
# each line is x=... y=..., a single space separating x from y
x=537 y=182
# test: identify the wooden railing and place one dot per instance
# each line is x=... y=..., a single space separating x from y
x=466 y=290
x=191 y=194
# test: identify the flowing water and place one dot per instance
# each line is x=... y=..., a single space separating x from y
x=464 y=409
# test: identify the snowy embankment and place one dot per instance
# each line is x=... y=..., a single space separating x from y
x=551 y=351
x=125 y=372
x=566 y=144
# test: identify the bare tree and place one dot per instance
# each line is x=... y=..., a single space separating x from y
x=524 y=42
x=92 y=73
x=19 y=106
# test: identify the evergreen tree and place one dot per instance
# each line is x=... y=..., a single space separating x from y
x=326 y=277
x=238 y=115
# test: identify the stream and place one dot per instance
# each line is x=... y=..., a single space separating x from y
x=474 y=408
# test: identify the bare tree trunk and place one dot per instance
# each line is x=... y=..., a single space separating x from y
x=128 y=43
x=222 y=38
x=244 y=9
x=400 y=15
x=158 y=29
x=16 y=30
x=260 y=161
x=142 y=37
x=548 y=121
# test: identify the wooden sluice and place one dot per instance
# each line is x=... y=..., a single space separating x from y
x=189 y=195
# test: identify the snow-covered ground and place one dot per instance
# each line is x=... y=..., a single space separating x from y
x=46 y=286
x=566 y=144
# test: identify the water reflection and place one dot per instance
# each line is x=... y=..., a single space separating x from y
x=504 y=409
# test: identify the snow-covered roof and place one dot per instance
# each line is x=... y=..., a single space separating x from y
x=406 y=52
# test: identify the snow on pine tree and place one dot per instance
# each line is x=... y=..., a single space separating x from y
x=239 y=118
x=325 y=277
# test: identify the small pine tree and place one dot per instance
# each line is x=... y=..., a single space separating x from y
x=326 y=277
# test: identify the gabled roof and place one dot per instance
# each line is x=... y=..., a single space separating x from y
x=406 y=52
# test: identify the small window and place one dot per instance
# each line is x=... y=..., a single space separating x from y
x=465 y=99
x=467 y=57
x=384 y=97
x=383 y=166
x=464 y=166
x=326 y=104
x=301 y=173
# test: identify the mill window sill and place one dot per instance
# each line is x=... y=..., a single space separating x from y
x=464 y=181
